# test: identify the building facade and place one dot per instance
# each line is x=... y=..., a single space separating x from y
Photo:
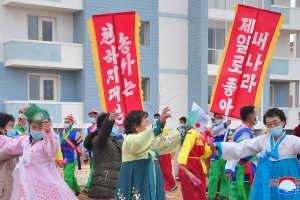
x=45 y=55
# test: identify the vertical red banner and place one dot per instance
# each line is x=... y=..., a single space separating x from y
x=247 y=54
x=115 y=45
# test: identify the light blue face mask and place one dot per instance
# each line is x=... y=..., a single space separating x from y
x=276 y=131
x=299 y=118
x=93 y=120
x=36 y=135
x=66 y=126
x=26 y=126
x=218 y=122
x=114 y=131
x=11 y=133
x=256 y=120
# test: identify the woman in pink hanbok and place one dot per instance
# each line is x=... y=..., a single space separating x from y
x=36 y=176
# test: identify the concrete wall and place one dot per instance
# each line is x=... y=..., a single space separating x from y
x=283 y=46
x=173 y=58
x=173 y=6
x=281 y=94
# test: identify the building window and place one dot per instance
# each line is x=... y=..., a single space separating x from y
x=231 y=4
x=43 y=88
x=209 y=93
x=145 y=88
x=41 y=28
x=144 y=34
x=286 y=3
x=271 y=96
x=217 y=31
x=217 y=4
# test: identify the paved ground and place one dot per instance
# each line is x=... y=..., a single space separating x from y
x=170 y=195
x=82 y=175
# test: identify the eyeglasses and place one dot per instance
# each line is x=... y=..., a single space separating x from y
x=274 y=124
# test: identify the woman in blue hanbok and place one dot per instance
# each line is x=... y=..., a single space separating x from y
x=278 y=173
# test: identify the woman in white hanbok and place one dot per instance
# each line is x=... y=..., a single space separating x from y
x=278 y=173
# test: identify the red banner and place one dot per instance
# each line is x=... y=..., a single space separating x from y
x=115 y=45
x=246 y=57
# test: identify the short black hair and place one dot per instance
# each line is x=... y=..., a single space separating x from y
x=156 y=115
x=100 y=119
x=246 y=111
x=93 y=113
x=134 y=118
x=273 y=112
x=183 y=119
x=216 y=114
x=5 y=118
x=89 y=138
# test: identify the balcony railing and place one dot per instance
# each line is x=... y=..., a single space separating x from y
x=55 y=5
x=45 y=55
x=291 y=15
x=285 y=68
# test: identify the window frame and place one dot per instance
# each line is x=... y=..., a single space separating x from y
x=146 y=95
x=40 y=28
x=210 y=85
x=40 y=20
x=56 y=86
x=147 y=33
x=214 y=49
x=271 y=96
x=226 y=4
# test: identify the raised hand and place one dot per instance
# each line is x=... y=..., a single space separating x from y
x=46 y=126
x=113 y=115
x=165 y=115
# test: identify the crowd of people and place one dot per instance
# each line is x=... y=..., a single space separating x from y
x=137 y=163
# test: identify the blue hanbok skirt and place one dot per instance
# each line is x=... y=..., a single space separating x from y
x=276 y=180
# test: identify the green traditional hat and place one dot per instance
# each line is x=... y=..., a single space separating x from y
x=192 y=119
